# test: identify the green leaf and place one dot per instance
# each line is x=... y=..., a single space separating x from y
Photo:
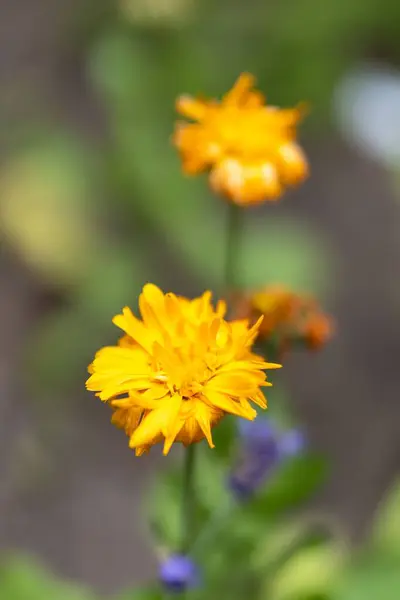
x=311 y=571
x=153 y=592
x=292 y=483
x=22 y=579
x=276 y=537
x=386 y=527
x=369 y=580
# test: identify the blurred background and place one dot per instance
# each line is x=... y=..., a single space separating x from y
x=93 y=204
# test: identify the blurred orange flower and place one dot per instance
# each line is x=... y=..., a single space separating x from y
x=288 y=317
x=278 y=305
x=249 y=148
x=317 y=330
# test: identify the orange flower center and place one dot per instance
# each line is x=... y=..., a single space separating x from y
x=247 y=132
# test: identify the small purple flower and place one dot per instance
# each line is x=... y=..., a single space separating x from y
x=263 y=449
x=292 y=442
x=246 y=478
x=256 y=434
x=178 y=573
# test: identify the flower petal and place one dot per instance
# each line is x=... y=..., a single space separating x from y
x=135 y=328
x=203 y=418
x=191 y=108
x=228 y=405
x=149 y=431
x=240 y=89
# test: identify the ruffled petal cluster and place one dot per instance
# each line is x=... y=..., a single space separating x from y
x=178 y=370
x=288 y=317
x=248 y=147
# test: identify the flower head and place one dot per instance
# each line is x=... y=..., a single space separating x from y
x=248 y=147
x=263 y=448
x=288 y=317
x=177 y=371
x=178 y=573
x=317 y=330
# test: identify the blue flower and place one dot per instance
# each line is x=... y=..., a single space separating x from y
x=263 y=447
x=178 y=573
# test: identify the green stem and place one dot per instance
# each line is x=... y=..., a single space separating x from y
x=188 y=498
x=234 y=230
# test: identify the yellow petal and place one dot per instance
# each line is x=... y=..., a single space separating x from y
x=243 y=366
x=110 y=390
x=149 y=429
x=235 y=384
x=174 y=430
x=203 y=419
x=127 y=419
x=227 y=404
x=293 y=163
x=140 y=450
x=240 y=89
x=153 y=295
x=289 y=117
x=259 y=399
x=149 y=399
x=173 y=307
x=191 y=432
x=191 y=108
x=170 y=362
x=172 y=408
x=221 y=308
x=135 y=328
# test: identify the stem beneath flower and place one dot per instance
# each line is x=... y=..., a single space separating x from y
x=234 y=229
x=188 y=498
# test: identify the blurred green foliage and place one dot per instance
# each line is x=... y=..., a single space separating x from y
x=238 y=545
x=259 y=552
x=23 y=579
x=81 y=214
x=96 y=221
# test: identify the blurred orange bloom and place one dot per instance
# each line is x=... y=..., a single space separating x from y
x=288 y=317
x=249 y=148
x=278 y=305
x=317 y=330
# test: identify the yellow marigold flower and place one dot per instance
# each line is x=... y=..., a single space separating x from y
x=287 y=317
x=177 y=371
x=249 y=148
